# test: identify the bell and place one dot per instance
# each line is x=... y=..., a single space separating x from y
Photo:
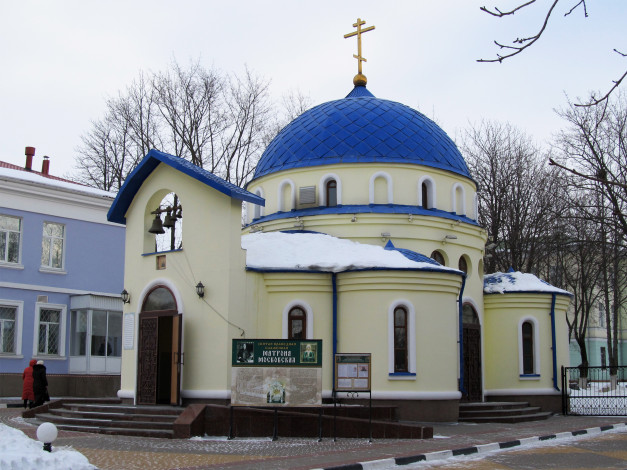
x=170 y=220
x=157 y=226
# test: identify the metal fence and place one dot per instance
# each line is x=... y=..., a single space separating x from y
x=594 y=391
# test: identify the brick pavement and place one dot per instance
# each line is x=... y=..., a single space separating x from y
x=130 y=453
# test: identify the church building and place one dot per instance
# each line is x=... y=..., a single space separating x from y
x=360 y=230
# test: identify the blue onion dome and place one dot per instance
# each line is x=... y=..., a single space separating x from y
x=361 y=129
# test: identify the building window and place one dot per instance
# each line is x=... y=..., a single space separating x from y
x=106 y=333
x=53 y=245
x=439 y=257
x=425 y=196
x=528 y=353
x=78 y=333
x=8 y=329
x=463 y=265
x=527 y=340
x=10 y=236
x=400 y=340
x=297 y=323
x=331 y=188
x=49 y=329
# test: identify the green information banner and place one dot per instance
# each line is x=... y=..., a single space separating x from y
x=276 y=372
x=276 y=353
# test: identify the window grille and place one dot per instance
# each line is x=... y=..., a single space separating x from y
x=49 y=331
x=307 y=195
x=8 y=317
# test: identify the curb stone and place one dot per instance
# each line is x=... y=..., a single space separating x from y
x=479 y=449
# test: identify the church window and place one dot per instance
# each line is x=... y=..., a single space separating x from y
x=426 y=193
x=528 y=352
x=160 y=298
x=463 y=264
x=439 y=257
x=297 y=323
x=381 y=190
x=331 y=188
x=458 y=200
x=400 y=340
x=527 y=340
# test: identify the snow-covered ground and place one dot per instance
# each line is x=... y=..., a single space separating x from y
x=20 y=452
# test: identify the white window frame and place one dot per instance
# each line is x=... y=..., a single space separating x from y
x=411 y=340
x=431 y=203
x=48 y=267
x=322 y=189
x=308 y=315
x=19 y=321
x=292 y=199
x=390 y=187
x=455 y=190
x=536 y=349
x=10 y=264
x=258 y=209
x=39 y=306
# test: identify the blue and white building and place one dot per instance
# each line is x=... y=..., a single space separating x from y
x=61 y=274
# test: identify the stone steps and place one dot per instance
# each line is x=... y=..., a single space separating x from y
x=111 y=418
x=500 y=412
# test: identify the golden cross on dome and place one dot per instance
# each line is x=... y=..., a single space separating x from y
x=359 y=79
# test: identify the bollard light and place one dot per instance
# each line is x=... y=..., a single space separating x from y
x=47 y=433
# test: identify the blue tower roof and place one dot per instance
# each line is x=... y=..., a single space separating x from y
x=361 y=129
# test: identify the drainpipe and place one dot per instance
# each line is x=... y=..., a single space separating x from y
x=334 y=283
x=553 y=343
x=461 y=337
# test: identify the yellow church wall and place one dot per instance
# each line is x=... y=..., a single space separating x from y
x=211 y=244
x=355 y=186
x=503 y=314
x=432 y=297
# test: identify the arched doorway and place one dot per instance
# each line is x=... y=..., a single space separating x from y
x=472 y=354
x=159 y=359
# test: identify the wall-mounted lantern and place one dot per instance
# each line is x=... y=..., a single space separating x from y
x=200 y=290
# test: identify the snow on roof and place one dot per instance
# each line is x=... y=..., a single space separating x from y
x=36 y=178
x=501 y=283
x=321 y=252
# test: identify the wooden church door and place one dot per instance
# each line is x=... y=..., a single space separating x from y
x=472 y=354
x=160 y=356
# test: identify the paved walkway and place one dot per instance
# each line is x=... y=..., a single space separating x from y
x=130 y=453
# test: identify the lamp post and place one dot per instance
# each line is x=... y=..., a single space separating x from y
x=47 y=433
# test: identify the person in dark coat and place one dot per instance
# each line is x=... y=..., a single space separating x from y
x=27 y=386
x=40 y=383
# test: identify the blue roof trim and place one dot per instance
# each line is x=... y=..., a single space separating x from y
x=365 y=209
x=361 y=129
x=137 y=177
x=411 y=255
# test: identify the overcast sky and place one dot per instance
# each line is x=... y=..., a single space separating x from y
x=60 y=60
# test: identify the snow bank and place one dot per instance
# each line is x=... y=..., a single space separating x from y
x=19 y=452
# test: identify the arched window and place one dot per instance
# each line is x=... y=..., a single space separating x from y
x=168 y=224
x=527 y=348
x=425 y=196
x=401 y=362
x=463 y=264
x=331 y=193
x=296 y=323
x=160 y=298
x=528 y=352
x=286 y=196
x=439 y=257
x=458 y=201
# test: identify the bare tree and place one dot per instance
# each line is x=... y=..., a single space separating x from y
x=593 y=150
x=520 y=44
x=216 y=121
x=517 y=195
